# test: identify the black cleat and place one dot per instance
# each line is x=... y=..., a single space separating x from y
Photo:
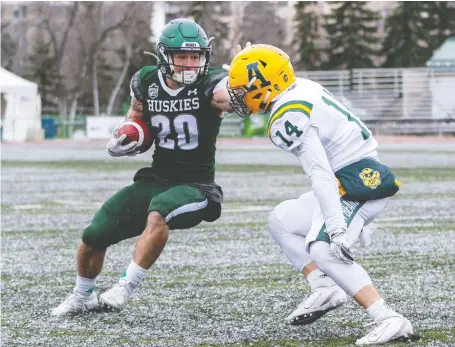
x=309 y=318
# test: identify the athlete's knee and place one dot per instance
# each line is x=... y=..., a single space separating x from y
x=156 y=224
x=155 y=220
x=320 y=254
x=274 y=223
x=87 y=250
x=94 y=237
x=276 y=226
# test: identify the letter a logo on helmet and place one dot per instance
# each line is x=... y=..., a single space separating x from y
x=269 y=74
x=253 y=71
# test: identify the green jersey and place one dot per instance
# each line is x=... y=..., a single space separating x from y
x=185 y=124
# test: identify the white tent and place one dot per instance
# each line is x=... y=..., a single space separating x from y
x=22 y=118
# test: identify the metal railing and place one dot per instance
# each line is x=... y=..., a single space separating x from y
x=389 y=101
x=402 y=93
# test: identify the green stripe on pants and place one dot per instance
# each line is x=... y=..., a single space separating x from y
x=350 y=209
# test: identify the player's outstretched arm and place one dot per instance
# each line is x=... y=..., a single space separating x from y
x=314 y=161
x=221 y=100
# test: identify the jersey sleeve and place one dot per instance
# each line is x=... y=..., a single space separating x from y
x=315 y=163
x=212 y=80
x=288 y=124
x=137 y=82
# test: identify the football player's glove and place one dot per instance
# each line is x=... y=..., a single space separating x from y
x=339 y=246
x=116 y=149
x=238 y=48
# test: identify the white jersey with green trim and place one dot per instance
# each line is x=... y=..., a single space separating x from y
x=306 y=103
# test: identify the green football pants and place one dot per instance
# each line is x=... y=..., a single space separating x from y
x=124 y=215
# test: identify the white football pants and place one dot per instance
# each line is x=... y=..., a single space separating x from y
x=295 y=225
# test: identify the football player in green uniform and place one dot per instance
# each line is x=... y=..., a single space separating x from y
x=183 y=100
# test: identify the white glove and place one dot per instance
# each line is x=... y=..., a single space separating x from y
x=238 y=48
x=339 y=246
x=116 y=149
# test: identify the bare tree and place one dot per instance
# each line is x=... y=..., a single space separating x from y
x=236 y=34
x=58 y=22
x=95 y=22
x=211 y=16
x=264 y=26
x=8 y=48
x=135 y=37
x=121 y=78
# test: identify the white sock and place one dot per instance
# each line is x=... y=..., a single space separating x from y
x=85 y=285
x=317 y=278
x=379 y=309
x=135 y=274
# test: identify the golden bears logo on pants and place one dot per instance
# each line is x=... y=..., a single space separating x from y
x=371 y=178
x=366 y=179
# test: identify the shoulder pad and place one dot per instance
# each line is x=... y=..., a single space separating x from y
x=137 y=82
x=303 y=107
x=287 y=131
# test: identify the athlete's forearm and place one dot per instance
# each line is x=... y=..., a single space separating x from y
x=314 y=161
x=135 y=110
x=221 y=100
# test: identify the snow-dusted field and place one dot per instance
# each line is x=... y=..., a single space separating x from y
x=220 y=283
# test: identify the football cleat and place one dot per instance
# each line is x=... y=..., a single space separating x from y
x=76 y=303
x=318 y=303
x=119 y=295
x=390 y=329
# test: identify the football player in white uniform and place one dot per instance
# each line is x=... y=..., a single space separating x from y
x=350 y=186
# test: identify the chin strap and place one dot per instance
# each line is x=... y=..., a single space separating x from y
x=263 y=104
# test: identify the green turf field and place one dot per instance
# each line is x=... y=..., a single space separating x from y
x=222 y=283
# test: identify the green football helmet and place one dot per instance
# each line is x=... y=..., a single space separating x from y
x=183 y=35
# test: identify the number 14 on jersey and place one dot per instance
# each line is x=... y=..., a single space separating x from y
x=290 y=130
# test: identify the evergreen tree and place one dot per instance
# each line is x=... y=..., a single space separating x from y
x=352 y=33
x=441 y=21
x=141 y=44
x=306 y=33
x=407 y=35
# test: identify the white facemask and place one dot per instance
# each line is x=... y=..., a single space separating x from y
x=185 y=77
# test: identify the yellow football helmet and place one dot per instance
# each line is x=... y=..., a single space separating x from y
x=257 y=75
